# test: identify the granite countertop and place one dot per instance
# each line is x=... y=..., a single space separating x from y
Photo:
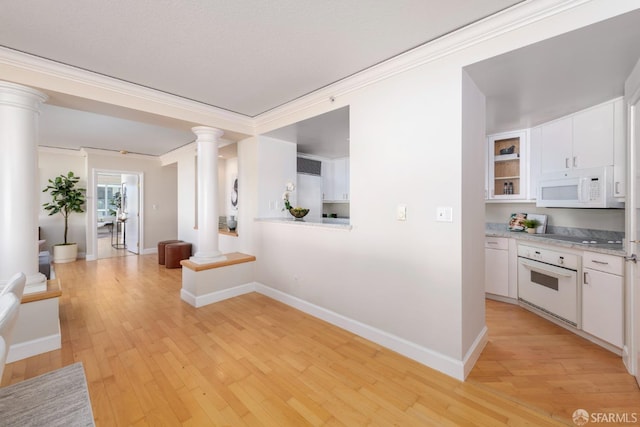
x=555 y=234
x=337 y=223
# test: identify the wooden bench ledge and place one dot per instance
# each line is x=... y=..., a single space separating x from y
x=54 y=290
x=232 y=259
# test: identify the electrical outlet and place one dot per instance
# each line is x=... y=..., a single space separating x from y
x=401 y=214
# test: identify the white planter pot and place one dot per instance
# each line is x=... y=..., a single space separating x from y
x=65 y=253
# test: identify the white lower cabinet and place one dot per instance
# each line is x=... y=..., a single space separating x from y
x=603 y=297
x=496 y=271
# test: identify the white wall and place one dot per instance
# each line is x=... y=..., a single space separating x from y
x=473 y=148
x=276 y=167
x=248 y=182
x=187 y=212
x=52 y=163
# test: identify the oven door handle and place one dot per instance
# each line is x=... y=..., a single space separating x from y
x=549 y=270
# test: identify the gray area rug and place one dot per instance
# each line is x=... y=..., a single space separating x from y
x=58 y=398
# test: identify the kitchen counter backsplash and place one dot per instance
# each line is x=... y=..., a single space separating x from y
x=501 y=230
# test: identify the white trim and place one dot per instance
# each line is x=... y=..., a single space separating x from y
x=213 y=297
x=31 y=63
x=65 y=151
x=116 y=153
x=150 y=251
x=34 y=347
x=457 y=369
x=498 y=24
x=473 y=354
x=175 y=155
x=433 y=359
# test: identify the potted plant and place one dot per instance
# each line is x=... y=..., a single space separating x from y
x=531 y=224
x=115 y=204
x=67 y=198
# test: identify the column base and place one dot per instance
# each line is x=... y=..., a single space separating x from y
x=35 y=283
x=207 y=257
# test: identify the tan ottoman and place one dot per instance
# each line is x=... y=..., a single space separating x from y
x=176 y=252
x=161 y=248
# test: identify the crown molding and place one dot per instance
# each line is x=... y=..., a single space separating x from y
x=30 y=63
x=88 y=151
x=180 y=152
x=518 y=16
x=64 y=151
x=506 y=21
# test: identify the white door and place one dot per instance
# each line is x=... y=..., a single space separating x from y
x=131 y=206
x=632 y=227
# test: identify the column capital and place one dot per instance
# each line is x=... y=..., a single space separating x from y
x=206 y=133
x=21 y=96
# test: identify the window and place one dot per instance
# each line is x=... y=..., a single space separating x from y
x=104 y=199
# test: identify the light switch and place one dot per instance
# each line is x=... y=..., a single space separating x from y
x=402 y=213
x=444 y=214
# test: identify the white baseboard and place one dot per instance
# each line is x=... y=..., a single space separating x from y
x=210 y=298
x=433 y=359
x=34 y=347
x=457 y=369
x=149 y=251
x=475 y=350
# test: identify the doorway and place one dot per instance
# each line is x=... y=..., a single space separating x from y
x=117 y=213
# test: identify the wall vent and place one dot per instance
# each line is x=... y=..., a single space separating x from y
x=309 y=166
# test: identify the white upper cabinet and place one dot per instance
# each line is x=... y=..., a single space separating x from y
x=619 y=150
x=580 y=141
x=507 y=165
x=593 y=137
x=556 y=145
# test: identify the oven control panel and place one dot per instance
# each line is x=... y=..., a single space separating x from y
x=549 y=256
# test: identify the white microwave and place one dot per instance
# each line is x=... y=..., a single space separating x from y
x=583 y=188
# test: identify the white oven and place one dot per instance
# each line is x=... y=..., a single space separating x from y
x=548 y=281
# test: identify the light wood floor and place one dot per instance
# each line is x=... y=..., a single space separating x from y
x=106 y=250
x=535 y=361
x=152 y=359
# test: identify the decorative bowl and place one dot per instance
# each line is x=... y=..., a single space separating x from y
x=298 y=213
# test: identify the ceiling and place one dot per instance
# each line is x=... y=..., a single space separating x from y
x=243 y=56
x=247 y=57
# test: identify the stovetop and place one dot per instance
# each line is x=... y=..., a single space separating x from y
x=586 y=241
x=583 y=240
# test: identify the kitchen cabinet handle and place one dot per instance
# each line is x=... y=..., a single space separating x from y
x=595 y=261
x=585 y=275
x=492 y=243
x=575 y=163
x=617 y=187
x=566 y=163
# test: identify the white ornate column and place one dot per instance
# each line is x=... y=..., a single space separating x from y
x=207 y=176
x=19 y=189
